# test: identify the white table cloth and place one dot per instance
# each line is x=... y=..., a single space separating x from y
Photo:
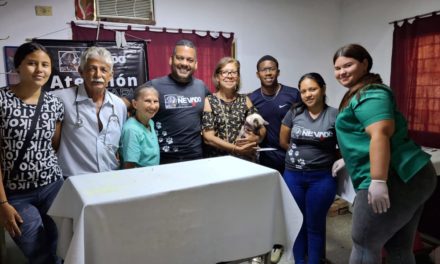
x=203 y=211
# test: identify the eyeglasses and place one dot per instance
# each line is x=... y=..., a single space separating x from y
x=227 y=73
x=268 y=69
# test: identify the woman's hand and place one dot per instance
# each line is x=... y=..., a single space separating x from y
x=337 y=166
x=10 y=219
x=245 y=147
x=378 y=196
x=249 y=138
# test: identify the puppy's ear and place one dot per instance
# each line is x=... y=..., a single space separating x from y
x=264 y=122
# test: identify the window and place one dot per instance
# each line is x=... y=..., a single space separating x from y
x=415 y=77
x=426 y=116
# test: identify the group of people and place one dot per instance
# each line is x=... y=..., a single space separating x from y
x=48 y=136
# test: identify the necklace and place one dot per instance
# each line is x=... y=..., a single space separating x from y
x=225 y=118
x=225 y=98
x=270 y=98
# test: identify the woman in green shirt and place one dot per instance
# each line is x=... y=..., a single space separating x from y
x=393 y=177
x=139 y=143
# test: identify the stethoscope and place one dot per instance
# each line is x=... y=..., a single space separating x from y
x=79 y=121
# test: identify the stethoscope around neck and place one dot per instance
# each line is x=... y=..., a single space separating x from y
x=79 y=121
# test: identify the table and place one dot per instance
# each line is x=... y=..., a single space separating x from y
x=204 y=211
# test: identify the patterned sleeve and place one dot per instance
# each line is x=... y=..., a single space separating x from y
x=60 y=109
x=2 y=95
x=252 y=110
x=207 y=120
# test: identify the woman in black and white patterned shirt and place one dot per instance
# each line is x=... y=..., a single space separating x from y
x=31 y=180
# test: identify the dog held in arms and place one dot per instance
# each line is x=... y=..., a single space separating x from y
x=252 y=124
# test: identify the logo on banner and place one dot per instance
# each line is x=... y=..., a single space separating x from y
x=68 y=61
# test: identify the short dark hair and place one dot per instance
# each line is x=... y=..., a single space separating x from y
x=26 y=49
x=186 y=43
x=265 y=58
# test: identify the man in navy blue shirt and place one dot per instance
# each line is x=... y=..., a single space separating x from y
x=272 y=100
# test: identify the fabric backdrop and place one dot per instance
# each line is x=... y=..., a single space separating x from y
x=160 y=47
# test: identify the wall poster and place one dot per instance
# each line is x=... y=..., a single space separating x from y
x=129 y=64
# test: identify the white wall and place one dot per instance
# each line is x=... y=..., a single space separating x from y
x=366 y=22
x=301 y=34
x=296 y=32
x=19 y=22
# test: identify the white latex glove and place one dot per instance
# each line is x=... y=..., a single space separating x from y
x=337 y=166
x=378 y=196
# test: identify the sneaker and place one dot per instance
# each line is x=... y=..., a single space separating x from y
x=276 y=253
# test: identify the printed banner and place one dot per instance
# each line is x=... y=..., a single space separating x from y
x=129 y=64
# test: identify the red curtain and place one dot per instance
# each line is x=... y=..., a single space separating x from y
x=160 y=47
x=415 y=77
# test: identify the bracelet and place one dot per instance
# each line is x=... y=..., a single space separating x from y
x=3 y=202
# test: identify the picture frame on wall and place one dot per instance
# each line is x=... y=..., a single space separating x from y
x=11 y=75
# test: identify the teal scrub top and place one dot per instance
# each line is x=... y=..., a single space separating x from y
x=139 y=144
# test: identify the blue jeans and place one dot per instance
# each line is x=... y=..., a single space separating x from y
x=38 y=240
x=314 y=192
x=395 y=230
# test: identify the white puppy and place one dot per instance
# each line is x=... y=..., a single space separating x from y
x=252 y=124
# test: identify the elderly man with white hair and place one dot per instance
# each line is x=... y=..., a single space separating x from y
x=93 y=118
